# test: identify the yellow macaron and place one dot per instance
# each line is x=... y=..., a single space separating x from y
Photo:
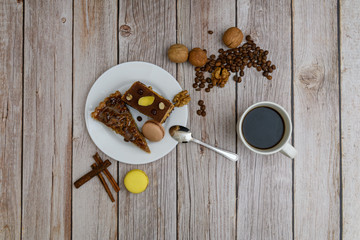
x=136 y=181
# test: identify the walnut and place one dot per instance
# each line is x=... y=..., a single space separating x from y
x=220 y=77
x=178 y=53
x=233 y=37
x=181 y=99
x=197 y=57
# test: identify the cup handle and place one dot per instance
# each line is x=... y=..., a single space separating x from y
x=289 y=150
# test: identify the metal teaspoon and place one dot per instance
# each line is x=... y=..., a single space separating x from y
x=183 y=135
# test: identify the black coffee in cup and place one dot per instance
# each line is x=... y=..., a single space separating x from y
x=263 y=127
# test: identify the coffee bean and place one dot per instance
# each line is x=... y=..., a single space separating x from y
x=198 y=89
x=197 y=69
x=269 y=77
x=210 y=32
x=239 y=80
x=203 y=107
x=208 y=80
x=258 y=68
x=201 y=102
x=202 y=69
x=202 y=85
x=266 y=52
x=273 y=67
x=210 y=85
x=207 y=89
x=199 y=112
x=217 y=64
x=248 y=38
x=266 y=74
x=212 y=56
x=203 y=113
x=235 y=78
x=249 y=65
x=242 y=73
x=203 y=80
x=195 y=85
x=221 y=50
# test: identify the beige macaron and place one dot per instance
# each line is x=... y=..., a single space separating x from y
x=153 y=131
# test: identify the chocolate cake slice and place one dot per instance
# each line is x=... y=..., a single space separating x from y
x=114 y=114
x=148 y=102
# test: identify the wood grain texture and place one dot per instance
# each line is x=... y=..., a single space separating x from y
x=11 y=73
x=206 y=180
x=95 y=50
x=146 y=30
x=265 y=182
x=316 y=114
x=350 y=109
x=47 y=120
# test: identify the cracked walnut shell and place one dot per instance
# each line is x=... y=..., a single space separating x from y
x=181 y=99
x=220 y=77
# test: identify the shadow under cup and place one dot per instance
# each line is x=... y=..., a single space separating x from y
x=286 y=133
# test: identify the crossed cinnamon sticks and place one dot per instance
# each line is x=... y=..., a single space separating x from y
x=97 y=168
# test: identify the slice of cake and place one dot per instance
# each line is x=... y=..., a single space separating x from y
x=148 y=102
x=114 y=114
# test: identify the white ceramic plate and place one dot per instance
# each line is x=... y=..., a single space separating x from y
x=121 y=77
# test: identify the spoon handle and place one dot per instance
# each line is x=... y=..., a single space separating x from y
x=229 y=155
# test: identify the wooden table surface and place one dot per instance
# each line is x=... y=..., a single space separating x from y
x=51 y=52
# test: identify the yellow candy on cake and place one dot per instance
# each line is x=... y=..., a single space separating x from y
x=136 y=181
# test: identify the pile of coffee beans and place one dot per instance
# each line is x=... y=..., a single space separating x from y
x=234 y=60
x=201 y=111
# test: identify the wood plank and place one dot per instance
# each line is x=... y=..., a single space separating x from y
x=350 y=109
x=151 y=214
x=206 y=180
x=316 y=114
x=95 y=50
x=265 y=182
x=47 y=120
x=11 y=73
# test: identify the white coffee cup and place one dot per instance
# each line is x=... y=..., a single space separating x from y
x=283 y=146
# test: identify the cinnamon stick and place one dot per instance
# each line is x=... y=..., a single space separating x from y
x=102 y=180
x=112 y=181
x=92 y=173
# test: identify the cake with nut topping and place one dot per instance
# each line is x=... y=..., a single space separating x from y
x=148 y=102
